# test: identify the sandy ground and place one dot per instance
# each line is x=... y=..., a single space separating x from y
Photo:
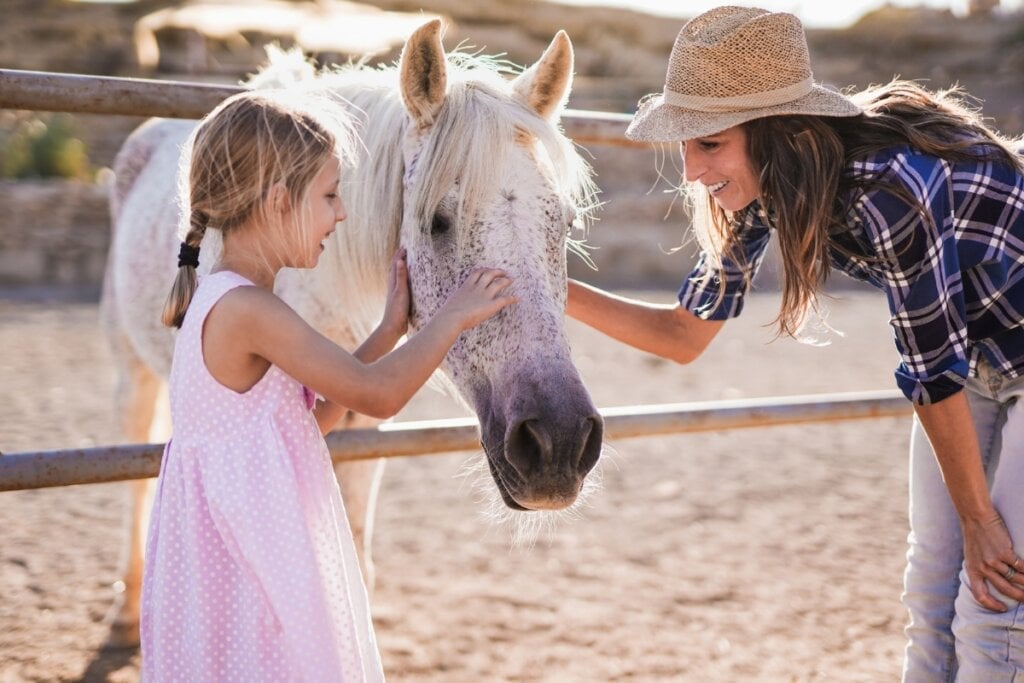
x=769 y=554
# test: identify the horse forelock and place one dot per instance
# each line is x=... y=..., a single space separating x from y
x=479 y=126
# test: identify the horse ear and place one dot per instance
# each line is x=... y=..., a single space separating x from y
x=424 y=73
x=545 y=86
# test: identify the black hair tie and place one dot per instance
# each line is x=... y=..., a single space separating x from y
x=188 y=256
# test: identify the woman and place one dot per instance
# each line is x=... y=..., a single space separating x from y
x=910 y=192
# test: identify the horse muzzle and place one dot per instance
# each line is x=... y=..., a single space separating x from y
x=541 y=442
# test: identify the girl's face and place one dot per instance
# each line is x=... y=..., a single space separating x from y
x=323 y=210
x=720 y=163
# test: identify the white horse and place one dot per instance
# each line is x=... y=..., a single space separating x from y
x=461 y=166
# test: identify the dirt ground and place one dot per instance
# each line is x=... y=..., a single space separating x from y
x=770 y=554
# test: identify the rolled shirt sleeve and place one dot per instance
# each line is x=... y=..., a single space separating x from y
x=922 y=275
x=699 y=293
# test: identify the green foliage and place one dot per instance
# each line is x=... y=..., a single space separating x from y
x=36 y=145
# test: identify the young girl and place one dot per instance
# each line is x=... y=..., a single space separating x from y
x=251 y=571
x=910 y=192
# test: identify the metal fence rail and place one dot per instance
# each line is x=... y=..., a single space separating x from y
x=45 y=91
x=118 y=463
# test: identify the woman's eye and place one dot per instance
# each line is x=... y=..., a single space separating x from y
x=708 y=145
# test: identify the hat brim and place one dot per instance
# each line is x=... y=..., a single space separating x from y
x=658 y=121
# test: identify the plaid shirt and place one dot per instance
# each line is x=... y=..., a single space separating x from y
x=955 y=284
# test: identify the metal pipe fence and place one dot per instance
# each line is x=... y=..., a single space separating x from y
x=43 y=469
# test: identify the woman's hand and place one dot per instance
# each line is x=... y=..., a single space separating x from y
x=988 y=548
x=396 y=311
x=480 y=296
x=989 y=559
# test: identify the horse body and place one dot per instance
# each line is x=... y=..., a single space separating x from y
x=463 y=169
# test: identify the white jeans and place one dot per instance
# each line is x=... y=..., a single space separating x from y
x=950 y=636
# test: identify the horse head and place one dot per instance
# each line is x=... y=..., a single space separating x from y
x=490 y=181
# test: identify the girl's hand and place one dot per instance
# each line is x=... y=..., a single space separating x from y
x=989 y=559
x=480 y=296
x=396 y=310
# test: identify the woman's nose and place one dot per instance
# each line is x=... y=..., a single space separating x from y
x=340 y=214
x=693 y=166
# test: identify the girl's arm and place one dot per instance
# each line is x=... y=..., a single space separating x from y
x=671 y=332
x=382 y=340
x=265 y=327
x=988 y=549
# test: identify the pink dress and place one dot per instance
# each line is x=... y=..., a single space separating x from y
x=251 y=572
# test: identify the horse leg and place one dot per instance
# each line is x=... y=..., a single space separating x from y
x=137 y=394
x=359 y=481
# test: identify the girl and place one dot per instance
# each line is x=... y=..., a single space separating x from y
x=910 y=192
x=251 y=570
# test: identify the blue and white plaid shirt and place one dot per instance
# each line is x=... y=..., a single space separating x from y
x=955 y=284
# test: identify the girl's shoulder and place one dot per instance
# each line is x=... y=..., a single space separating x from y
x=233 y=298
x=249 y=315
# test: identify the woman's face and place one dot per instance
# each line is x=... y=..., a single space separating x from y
x=720 y=163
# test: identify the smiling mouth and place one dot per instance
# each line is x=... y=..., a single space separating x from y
x=717 y=187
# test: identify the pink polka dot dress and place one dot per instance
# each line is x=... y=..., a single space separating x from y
x=251 y=572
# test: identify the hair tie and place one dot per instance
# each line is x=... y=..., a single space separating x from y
x=188 y=256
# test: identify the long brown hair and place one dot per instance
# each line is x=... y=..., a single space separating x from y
x=247 y=145
x=804 y=176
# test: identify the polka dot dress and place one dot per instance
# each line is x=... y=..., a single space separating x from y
x=251 y=572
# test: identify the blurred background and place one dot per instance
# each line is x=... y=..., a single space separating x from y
x=53 y=177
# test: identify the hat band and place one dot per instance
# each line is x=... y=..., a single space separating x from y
x=740 y=102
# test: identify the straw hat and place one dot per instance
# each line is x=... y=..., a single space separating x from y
x=731 y=65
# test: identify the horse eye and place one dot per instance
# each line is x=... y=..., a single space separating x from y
x=440 y=225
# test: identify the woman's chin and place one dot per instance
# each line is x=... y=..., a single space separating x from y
x=732 y=206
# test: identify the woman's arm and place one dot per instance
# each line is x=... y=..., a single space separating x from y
x=988 y=549
x=668 y=331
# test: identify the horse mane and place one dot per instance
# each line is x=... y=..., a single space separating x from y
x=474 y=133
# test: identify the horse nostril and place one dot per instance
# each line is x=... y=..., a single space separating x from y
x=527 y=446
x=591 y=435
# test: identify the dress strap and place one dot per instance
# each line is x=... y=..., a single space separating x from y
x=212 y=286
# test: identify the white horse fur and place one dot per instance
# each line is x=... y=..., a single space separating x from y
x=461 y=166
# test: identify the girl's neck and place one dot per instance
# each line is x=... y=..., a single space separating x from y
x=243 y=255
x=261 y=275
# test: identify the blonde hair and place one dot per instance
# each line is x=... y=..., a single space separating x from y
x=804 y=178
x=249 y=144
